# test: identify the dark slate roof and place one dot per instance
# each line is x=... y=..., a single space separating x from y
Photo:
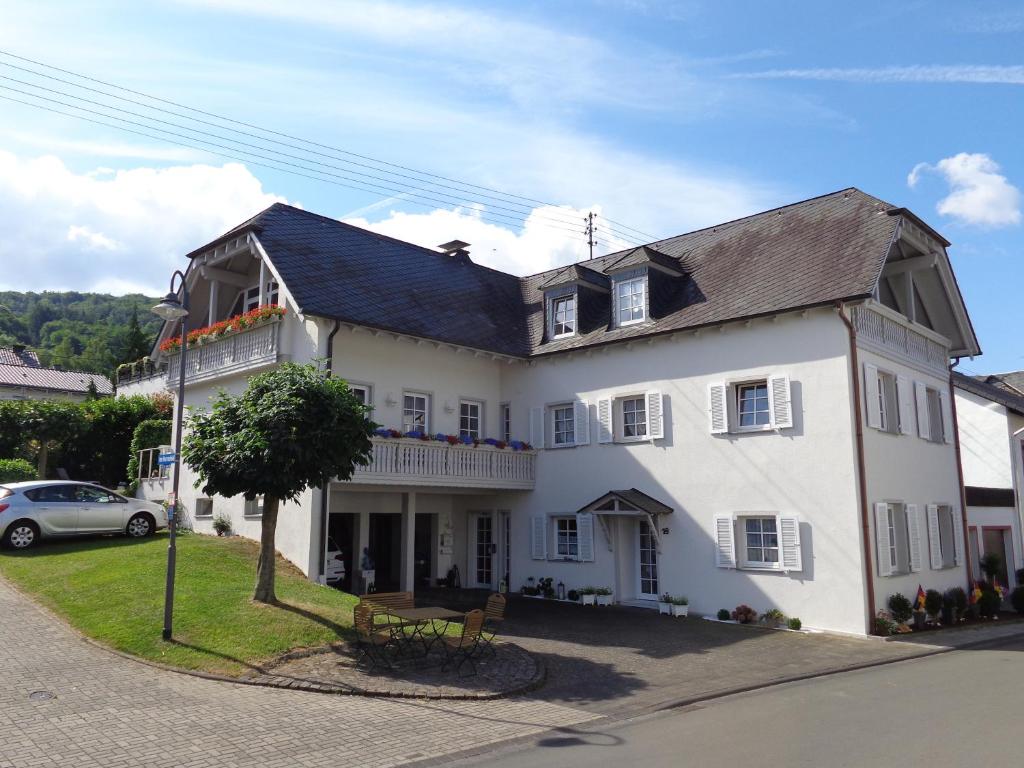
x=52 y=379
x=1013 y=381
x=991 y=388
x=18 y=356
x=575 y=273
x=811 y=253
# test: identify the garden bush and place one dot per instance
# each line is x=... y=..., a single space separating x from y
x=1017 y=599
x=723 y=614
x=933 y=602
x=900 y=607
x=794 y=623
x=990 y=601
x=16 y=471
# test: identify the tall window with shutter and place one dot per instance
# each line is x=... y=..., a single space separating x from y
x=758 y=542
x=756 y=405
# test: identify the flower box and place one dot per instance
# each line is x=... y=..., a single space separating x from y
x=588 y=599
x=603 y=599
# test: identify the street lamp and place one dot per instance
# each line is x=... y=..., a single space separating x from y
x=171 y=309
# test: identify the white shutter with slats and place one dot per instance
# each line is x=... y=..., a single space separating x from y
x=947 y=417
x=585 y=537
x=905 y=403
x=789 y=538
x=655 y=415
x=882 y=538
x=604 y=421
x=921 y=396
x=914 y=534
x=539 y=537
x=582 y=427
x=725 y=542
x=717 y=409
x=958 y=537
x=872 y=404
x=537 y=427
x=934 y=537
x=780 y=404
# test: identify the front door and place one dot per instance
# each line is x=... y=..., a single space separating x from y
x=647 y=560
x=482 y=550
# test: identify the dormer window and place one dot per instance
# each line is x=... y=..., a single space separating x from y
x=630 y=303
x=563 y=316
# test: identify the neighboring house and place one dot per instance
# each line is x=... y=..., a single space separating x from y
x=23 y=378
x=758 y=412
x=990 y=419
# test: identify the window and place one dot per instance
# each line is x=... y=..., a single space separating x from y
x=249 y=299
x=752 y=405
x=563 y=316
x=90 y=495
x=50 y=494
x=506 y=422
x=566 y=538
x=204 y=507
x=362 y=393
x=563 y=423
x=634 y=418
x=630 y=300
x=936 y=430
x=888 y=407
x=414 y=412
x=253 y=507
x=946 y=556
x=761 y=540
x=894 y=541
x=470 y=419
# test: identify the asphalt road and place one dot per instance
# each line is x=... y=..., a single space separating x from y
x=958 y=709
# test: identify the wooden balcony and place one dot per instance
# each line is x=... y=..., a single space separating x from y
x=246 y=350
x=892 y=334
x=401 y=461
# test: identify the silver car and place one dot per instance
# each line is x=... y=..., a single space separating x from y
x=52 y=508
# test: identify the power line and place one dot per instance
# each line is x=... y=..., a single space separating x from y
x=617 y=227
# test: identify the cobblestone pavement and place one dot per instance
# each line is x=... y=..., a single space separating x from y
x=111 y=712
x=508 y=670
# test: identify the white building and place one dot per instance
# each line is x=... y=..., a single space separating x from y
x=990 y=420
x=758 y=412
x=23 y=378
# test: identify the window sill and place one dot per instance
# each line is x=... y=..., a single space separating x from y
x=254 y=516
x=564 y=445
x=563 y=559
x=771 y=567
x=628 y=323
x=758 y=428
x=563 y=336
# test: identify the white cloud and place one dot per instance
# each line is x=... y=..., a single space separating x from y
x=121 y=231
x=978 y=193
x=956 y=73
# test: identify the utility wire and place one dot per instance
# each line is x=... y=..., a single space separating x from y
x=618 y=226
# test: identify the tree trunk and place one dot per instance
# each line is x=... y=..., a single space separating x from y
x=265 y=563
x=43 y=455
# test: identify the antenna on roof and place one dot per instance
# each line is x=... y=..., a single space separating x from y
x=589 y=231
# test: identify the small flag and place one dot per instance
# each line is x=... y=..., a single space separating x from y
x=975 y=595
x=919 y=601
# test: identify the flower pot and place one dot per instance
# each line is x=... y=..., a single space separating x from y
x=678 y=610
x=665 y=608
x=588 y=599
x=919 y=619
x=604 y=599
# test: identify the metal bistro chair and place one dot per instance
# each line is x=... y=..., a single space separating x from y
x=494 y=614
x=463 y=647
x=372 y=642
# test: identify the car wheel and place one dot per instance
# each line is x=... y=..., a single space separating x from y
x=139 y=526
x=21 y=535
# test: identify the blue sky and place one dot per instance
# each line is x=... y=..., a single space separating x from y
x=664 y=116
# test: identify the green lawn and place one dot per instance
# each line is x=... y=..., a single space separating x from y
x=112 y=589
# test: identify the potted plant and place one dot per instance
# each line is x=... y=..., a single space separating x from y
x=664 y=603
x=773 y=618
x=546 y=588
x=744 y=614
x=604 y=596
x=933 y=605
x=795 y=624
x=949 y=615
x=680 y=606
x=588 y=595
x=1017 y=599
x=900 y=607
x=573 y=596
x=990 y=601
x=990 y=565
x=222 y=525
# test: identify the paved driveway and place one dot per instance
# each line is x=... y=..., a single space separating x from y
x=111 y=712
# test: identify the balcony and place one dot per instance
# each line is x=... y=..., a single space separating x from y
x=400 y=461
x=890 y=333
x=246 y=350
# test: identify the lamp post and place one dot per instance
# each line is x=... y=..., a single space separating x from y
x=171 y=309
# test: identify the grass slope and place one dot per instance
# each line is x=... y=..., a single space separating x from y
x=112 y=588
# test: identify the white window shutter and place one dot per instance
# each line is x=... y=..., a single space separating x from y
x=582 y=413
x=717 y=409
x=905 y=403
x=882 y=538
x=947 y=417
x=921 y=395
x=934 y=539
x=789 y=538
x=655 y=416
x=539 y=537
x=725 y=542
x=537 y=427
x=585 y=537
x=604 y=421
x=873 y=407
x=914 y=534
x=958 y=536
x=780 y=404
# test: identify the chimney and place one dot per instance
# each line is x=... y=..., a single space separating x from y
x=456 y=249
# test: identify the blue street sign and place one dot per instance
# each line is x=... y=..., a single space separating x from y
x=165 y=459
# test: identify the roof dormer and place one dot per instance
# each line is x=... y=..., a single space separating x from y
x=644 y=286
x=575 y=302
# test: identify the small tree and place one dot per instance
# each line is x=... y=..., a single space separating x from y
x=292 y=429
x=49 y=425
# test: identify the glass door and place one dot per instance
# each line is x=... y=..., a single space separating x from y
x=483 y=550
x=647 y=559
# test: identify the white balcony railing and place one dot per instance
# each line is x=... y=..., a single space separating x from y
x=400 y=461
x=896 y=335
x=251 y=348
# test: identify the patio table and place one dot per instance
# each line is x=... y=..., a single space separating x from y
x=422 y=618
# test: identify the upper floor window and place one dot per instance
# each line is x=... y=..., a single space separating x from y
x=415 y=412
x=634 y=418
x=563 y=316
x=761 y=542
x=752 y=405
x=506 y=422
x=630 y=303
x=249 y=299
x=563 y=425
x=362 y=393
x=470 y=419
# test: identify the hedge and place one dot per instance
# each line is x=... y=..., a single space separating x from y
x=16 y=471
x=151 y=433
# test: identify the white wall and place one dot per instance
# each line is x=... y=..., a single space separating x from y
x=147 y=386
x=984 y=441
x=807 y=470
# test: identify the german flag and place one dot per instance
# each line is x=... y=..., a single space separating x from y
x=919 y=600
